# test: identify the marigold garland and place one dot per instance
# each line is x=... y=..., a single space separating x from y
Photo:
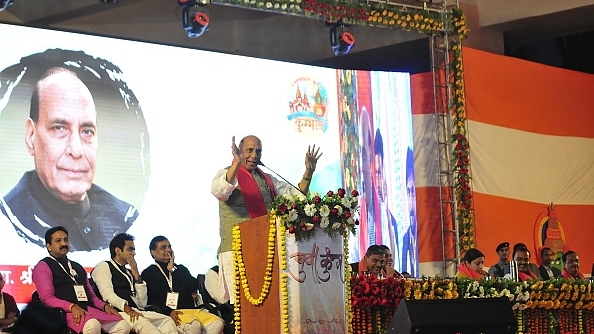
x=347 y=277
x=240 y=277
x=283 y=275
x=461 y=157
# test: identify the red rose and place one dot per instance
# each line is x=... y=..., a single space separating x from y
x=354 y=193
x=317 y=199
x=292 y=229
x=316 y=218
x=282 y=208
x=330 y=193
x=302 y=224
x=334 y=211
x=294 y=206
x=347 y=215
x=341 y=192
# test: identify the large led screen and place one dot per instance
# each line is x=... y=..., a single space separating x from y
x=165 y=118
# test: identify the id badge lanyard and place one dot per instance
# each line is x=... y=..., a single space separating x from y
x=172 y=297
x=125 y=273
x=79 y=289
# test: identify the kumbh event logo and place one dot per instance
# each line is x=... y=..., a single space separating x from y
x=549 y=232
x=308 y=107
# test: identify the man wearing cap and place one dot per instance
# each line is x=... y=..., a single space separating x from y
x=501 y=268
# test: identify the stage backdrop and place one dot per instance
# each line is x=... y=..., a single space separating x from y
x=166 y=117
x=532 y=144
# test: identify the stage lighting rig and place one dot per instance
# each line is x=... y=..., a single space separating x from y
x=341 y=40
x=195 y=23
x=5 y=3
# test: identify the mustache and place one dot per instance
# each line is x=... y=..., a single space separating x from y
x=64 y=247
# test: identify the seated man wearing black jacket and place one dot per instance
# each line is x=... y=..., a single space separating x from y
x=170 y=287
x=124 y=289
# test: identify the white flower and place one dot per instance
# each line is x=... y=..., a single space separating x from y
x=335 y=225
x=286 y=196
x=276 y=5
x=284 y=6
x=351 y=221
x=324 y=222
x=324 y=210
x=314 y=194
x=339 y=208
x=525 y=296
x=293 y=215
x=511 y=297
x=268 y=5
x=345 y=202
x=310 y=209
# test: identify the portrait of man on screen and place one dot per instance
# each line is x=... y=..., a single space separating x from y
x=62 y=136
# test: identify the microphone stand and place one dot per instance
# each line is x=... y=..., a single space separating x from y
x=275 y=173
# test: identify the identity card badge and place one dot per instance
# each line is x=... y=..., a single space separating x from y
x=172 y=300
x=81 y=294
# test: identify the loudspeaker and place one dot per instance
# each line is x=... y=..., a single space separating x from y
x=443 y=316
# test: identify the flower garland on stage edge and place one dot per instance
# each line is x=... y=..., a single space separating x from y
x=240 y=277
x=389 y=15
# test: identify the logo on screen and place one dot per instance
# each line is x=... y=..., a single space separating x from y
x=308 y=106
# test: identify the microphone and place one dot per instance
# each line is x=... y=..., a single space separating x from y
x=260 y=163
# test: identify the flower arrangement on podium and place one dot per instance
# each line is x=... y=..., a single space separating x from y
x=336 y=213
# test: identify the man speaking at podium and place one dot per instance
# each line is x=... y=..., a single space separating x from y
x=245 y=192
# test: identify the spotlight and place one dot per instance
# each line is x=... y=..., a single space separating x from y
x=343 y=42
x=195 y=23
x=5 y=3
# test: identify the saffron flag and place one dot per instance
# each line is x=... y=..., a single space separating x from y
x=531 y=144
